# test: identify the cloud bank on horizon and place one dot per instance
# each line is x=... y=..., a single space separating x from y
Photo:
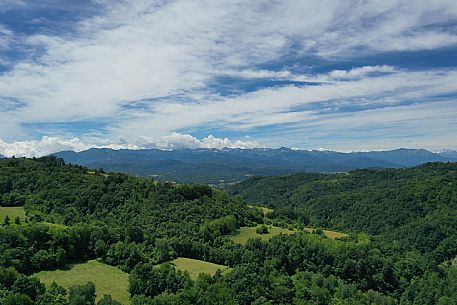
x=48 y=145
x=344 y=75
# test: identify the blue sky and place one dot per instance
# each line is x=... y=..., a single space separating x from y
x=341 y=75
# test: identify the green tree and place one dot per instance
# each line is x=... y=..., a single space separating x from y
x=30 y=286
x=82 y=294
x=262 y=229
x=150 y=280
x=17 y=299
x=55 y=295
x=107 y=300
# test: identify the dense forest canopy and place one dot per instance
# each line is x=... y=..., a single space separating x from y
x=416 y=206
x=401 y=246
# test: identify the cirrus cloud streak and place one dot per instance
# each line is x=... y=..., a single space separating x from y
x=148 y=69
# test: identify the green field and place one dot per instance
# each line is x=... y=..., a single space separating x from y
x=195 y=267
x=53 y=227
x=107 y=279
x=328 y=233
x=245 y=233
x=12 y=213
x=264 y=210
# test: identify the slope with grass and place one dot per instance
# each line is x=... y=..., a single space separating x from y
x=194 y=266
x=246 y=233
x=107 y=279
x=329 y=233
x=12 y=213
x=265 y=210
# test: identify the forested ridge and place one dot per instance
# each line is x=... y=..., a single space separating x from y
x=139 y=224
x=416 y=206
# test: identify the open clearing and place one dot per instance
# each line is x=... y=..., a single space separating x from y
x=12 y=213
x=54 y=227
x=264 y=210
x=245 y=233
x=195 y=267
x=328 y=233
x=107 y=279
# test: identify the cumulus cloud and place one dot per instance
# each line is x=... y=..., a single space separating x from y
x=180 y=141
x=37 y=148
x=49 y=145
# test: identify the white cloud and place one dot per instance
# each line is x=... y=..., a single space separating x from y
x=41 y=147
x=9 y=4
x=5 y=38
x=281 y=105
x=360 y=72
x=148 y=50
x=250 y=73
x=429 y=125
x=48 y=145
x=179 y=141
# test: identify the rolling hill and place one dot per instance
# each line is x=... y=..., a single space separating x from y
x=400 y=223
x=394 y=203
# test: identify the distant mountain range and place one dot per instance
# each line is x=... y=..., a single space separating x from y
x=448 y=154
x=224 y=166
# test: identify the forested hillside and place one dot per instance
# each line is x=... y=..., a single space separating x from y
x=417 y=206
x=67 y=194
x=140 y=225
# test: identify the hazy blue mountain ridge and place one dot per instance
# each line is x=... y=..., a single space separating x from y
x=229 y=165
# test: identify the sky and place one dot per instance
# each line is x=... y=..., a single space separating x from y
x=345 y=75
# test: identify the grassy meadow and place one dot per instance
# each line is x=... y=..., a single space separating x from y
x=264 y=210
x=246 y=233
x=195 y=267
x=54 y=227
x=328 y=233
x=107 y=279
x=12 y=213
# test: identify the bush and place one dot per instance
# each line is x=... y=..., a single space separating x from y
x=263 y=229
